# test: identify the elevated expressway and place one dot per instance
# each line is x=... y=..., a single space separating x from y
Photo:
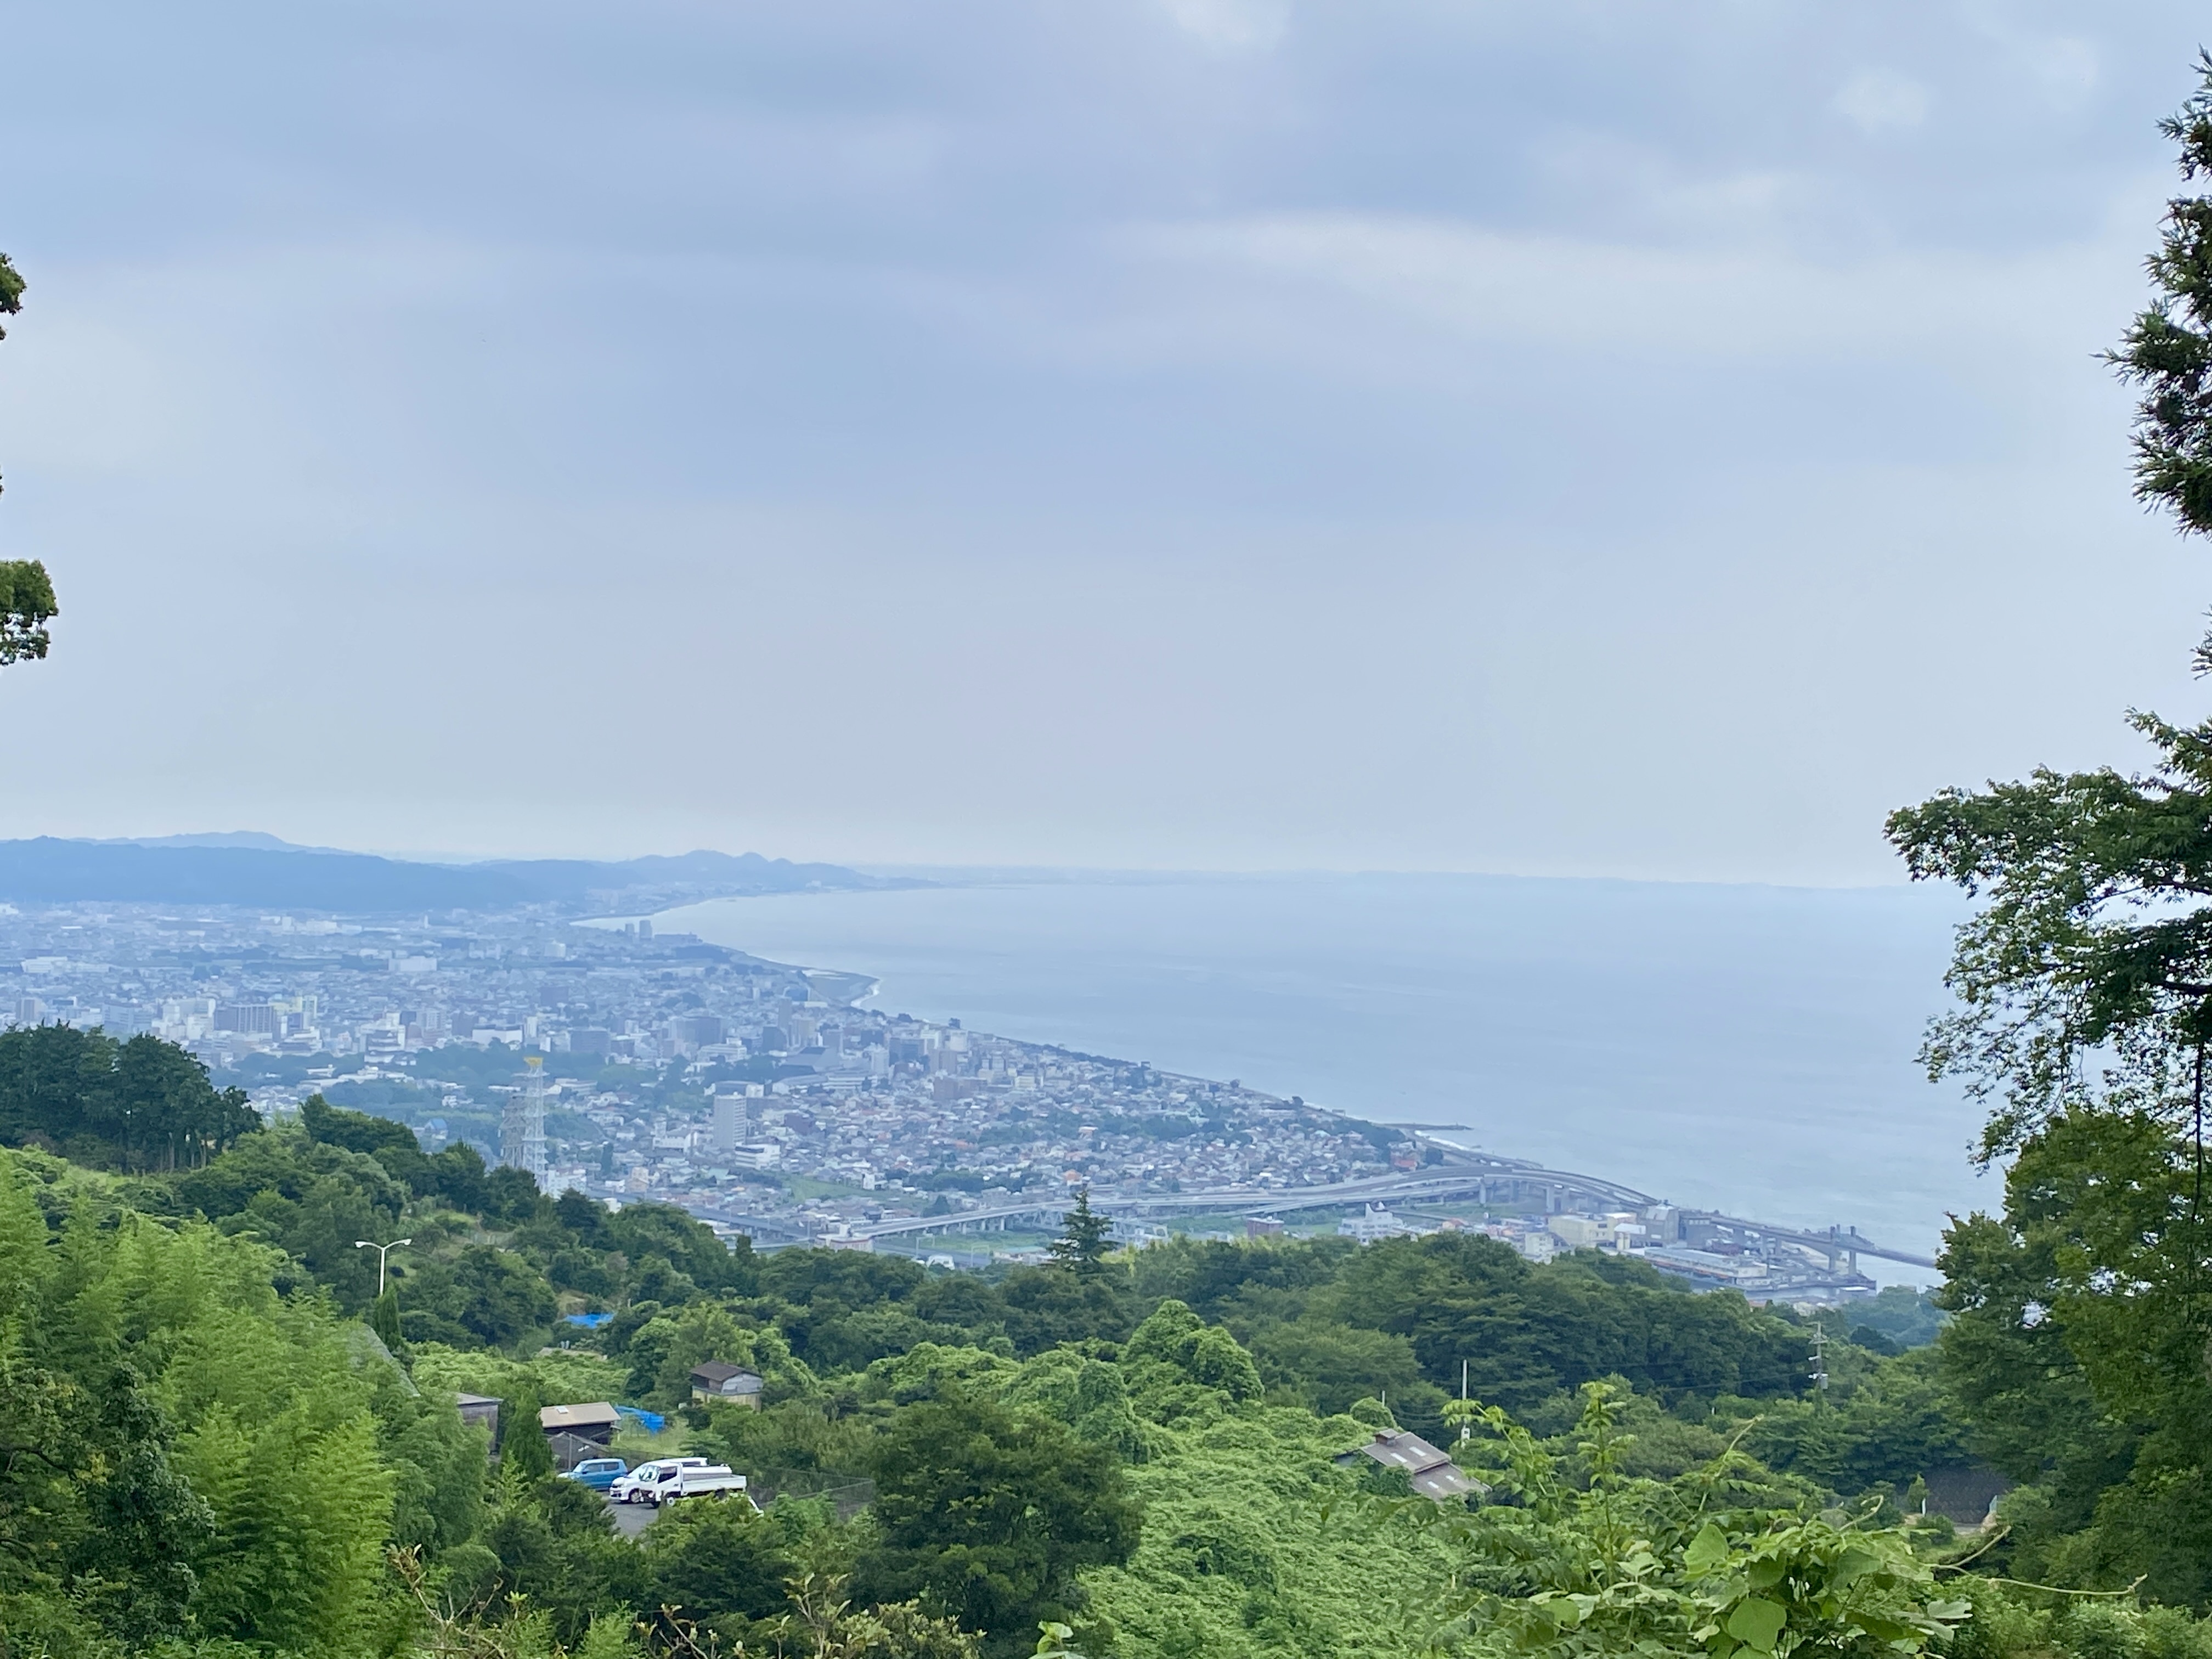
x=1500 y=1181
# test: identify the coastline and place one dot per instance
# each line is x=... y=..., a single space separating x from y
x=1724 y=1097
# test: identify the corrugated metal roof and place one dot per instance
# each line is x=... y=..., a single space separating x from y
x=597 y=1414
x=720 y=1371
x=1428 y=1471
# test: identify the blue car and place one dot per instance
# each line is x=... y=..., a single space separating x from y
x=597 y=1473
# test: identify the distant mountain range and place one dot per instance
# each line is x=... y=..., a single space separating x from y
x=253 y=838
x=255 y=871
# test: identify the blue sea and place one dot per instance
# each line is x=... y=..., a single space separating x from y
x=1740 y=1047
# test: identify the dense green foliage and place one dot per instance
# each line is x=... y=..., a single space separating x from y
x=26 y=593
x=1329 y=1323
x=1903 y=1317
x=1140 y=1448
x=26 y=605
x=2075 y=1357
x=1595 y=1559
x=187 y=1447
x=992 y=1513
x=2077 y=1352
x=137 y=1105
x=2168 y=350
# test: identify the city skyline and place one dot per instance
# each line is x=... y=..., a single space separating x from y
x=627 y=1063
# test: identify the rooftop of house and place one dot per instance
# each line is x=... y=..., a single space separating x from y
x=1428 y=1471
x=596 y=1414
x=714 y=1373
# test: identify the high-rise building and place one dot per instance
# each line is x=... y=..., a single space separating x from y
x=700 y=1030
x=732 y=1119
x=29 y=1010
x=522 y=1125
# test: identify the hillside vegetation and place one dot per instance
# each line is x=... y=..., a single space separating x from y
x=1140 y=1448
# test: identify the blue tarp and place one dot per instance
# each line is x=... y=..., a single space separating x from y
x=589 y=1321
x=651 y=1422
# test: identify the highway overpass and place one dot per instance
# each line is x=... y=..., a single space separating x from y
x=1491 y=1181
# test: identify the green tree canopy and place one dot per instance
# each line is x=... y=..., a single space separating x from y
x=144 y=1105
x=2168 y=350
x=991 y=1514
x=1588 y=1560
x=26 y=593
x=710 y=1558
x=358 y=1132
x=2085 y=981
x=2083 y=989
x=1185 y=1347
x=523 y=1454
x=26 y=605
x=481 y=1297
x=1084 y=1238
x=181 y=1438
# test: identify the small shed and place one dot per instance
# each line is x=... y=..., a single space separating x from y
x=1966 y=1495
x=717 y=1379
x=1428 y=1471
x=480 y=1408
x=594 y=1422
x=570 y=1449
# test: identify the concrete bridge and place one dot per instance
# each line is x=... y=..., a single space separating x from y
x=761 y=1229
x=1846 y=1244
x=1491 y=1181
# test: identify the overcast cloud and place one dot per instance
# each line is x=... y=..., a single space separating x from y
x=1644 y=438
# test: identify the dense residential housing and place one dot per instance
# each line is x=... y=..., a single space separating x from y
x=766 y=1098
x=629 y=1064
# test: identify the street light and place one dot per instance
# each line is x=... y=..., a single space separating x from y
x=382 y=1250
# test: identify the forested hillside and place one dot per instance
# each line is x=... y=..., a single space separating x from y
x=220 y=1439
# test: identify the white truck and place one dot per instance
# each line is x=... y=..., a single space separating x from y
x=640 y=1485
x=715 y=1480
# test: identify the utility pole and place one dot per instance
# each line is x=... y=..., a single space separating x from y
x=1466 y=1428
x=382 y=1251
x=1819 y=1372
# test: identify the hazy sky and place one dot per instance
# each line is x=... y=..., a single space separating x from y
x=1652 y=439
